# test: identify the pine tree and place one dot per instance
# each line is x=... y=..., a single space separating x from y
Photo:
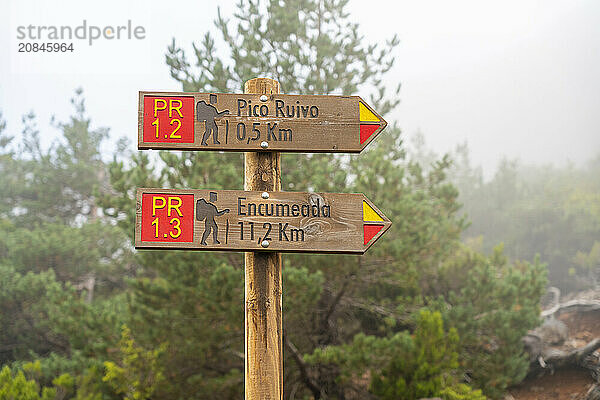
x=492 y=311
x=62 y=265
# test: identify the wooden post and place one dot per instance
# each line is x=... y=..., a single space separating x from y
x=263 y=321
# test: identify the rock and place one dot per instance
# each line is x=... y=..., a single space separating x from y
x=533 y=346
x=552 y=332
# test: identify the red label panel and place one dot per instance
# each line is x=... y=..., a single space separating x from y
x=169 y=119
x=167 y=217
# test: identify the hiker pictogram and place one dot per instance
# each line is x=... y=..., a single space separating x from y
x=209 y=113
x=208 y=211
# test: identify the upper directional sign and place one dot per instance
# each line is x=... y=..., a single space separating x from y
x=257 y=221
x=249 y=122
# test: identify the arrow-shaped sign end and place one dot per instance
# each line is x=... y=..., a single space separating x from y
x=371 y=123
x=375 y=223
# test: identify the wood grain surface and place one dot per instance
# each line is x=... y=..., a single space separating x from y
x=326 y=124
x=263 y=286
x=288 y=221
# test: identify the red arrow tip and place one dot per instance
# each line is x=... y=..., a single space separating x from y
x=366 y=131
x=371 y=231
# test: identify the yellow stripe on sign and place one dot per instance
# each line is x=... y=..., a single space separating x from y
x=369 y=214
x=366 y=114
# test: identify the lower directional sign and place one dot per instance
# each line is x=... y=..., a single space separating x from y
x=257 y=221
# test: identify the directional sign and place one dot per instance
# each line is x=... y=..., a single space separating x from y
x=257 y=221
x=248 y=122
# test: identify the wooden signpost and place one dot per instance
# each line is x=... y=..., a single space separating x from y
x=256 y=122
x=257 y=221
x=260 y=220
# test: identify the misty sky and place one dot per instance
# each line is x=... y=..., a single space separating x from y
x=512 y=78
